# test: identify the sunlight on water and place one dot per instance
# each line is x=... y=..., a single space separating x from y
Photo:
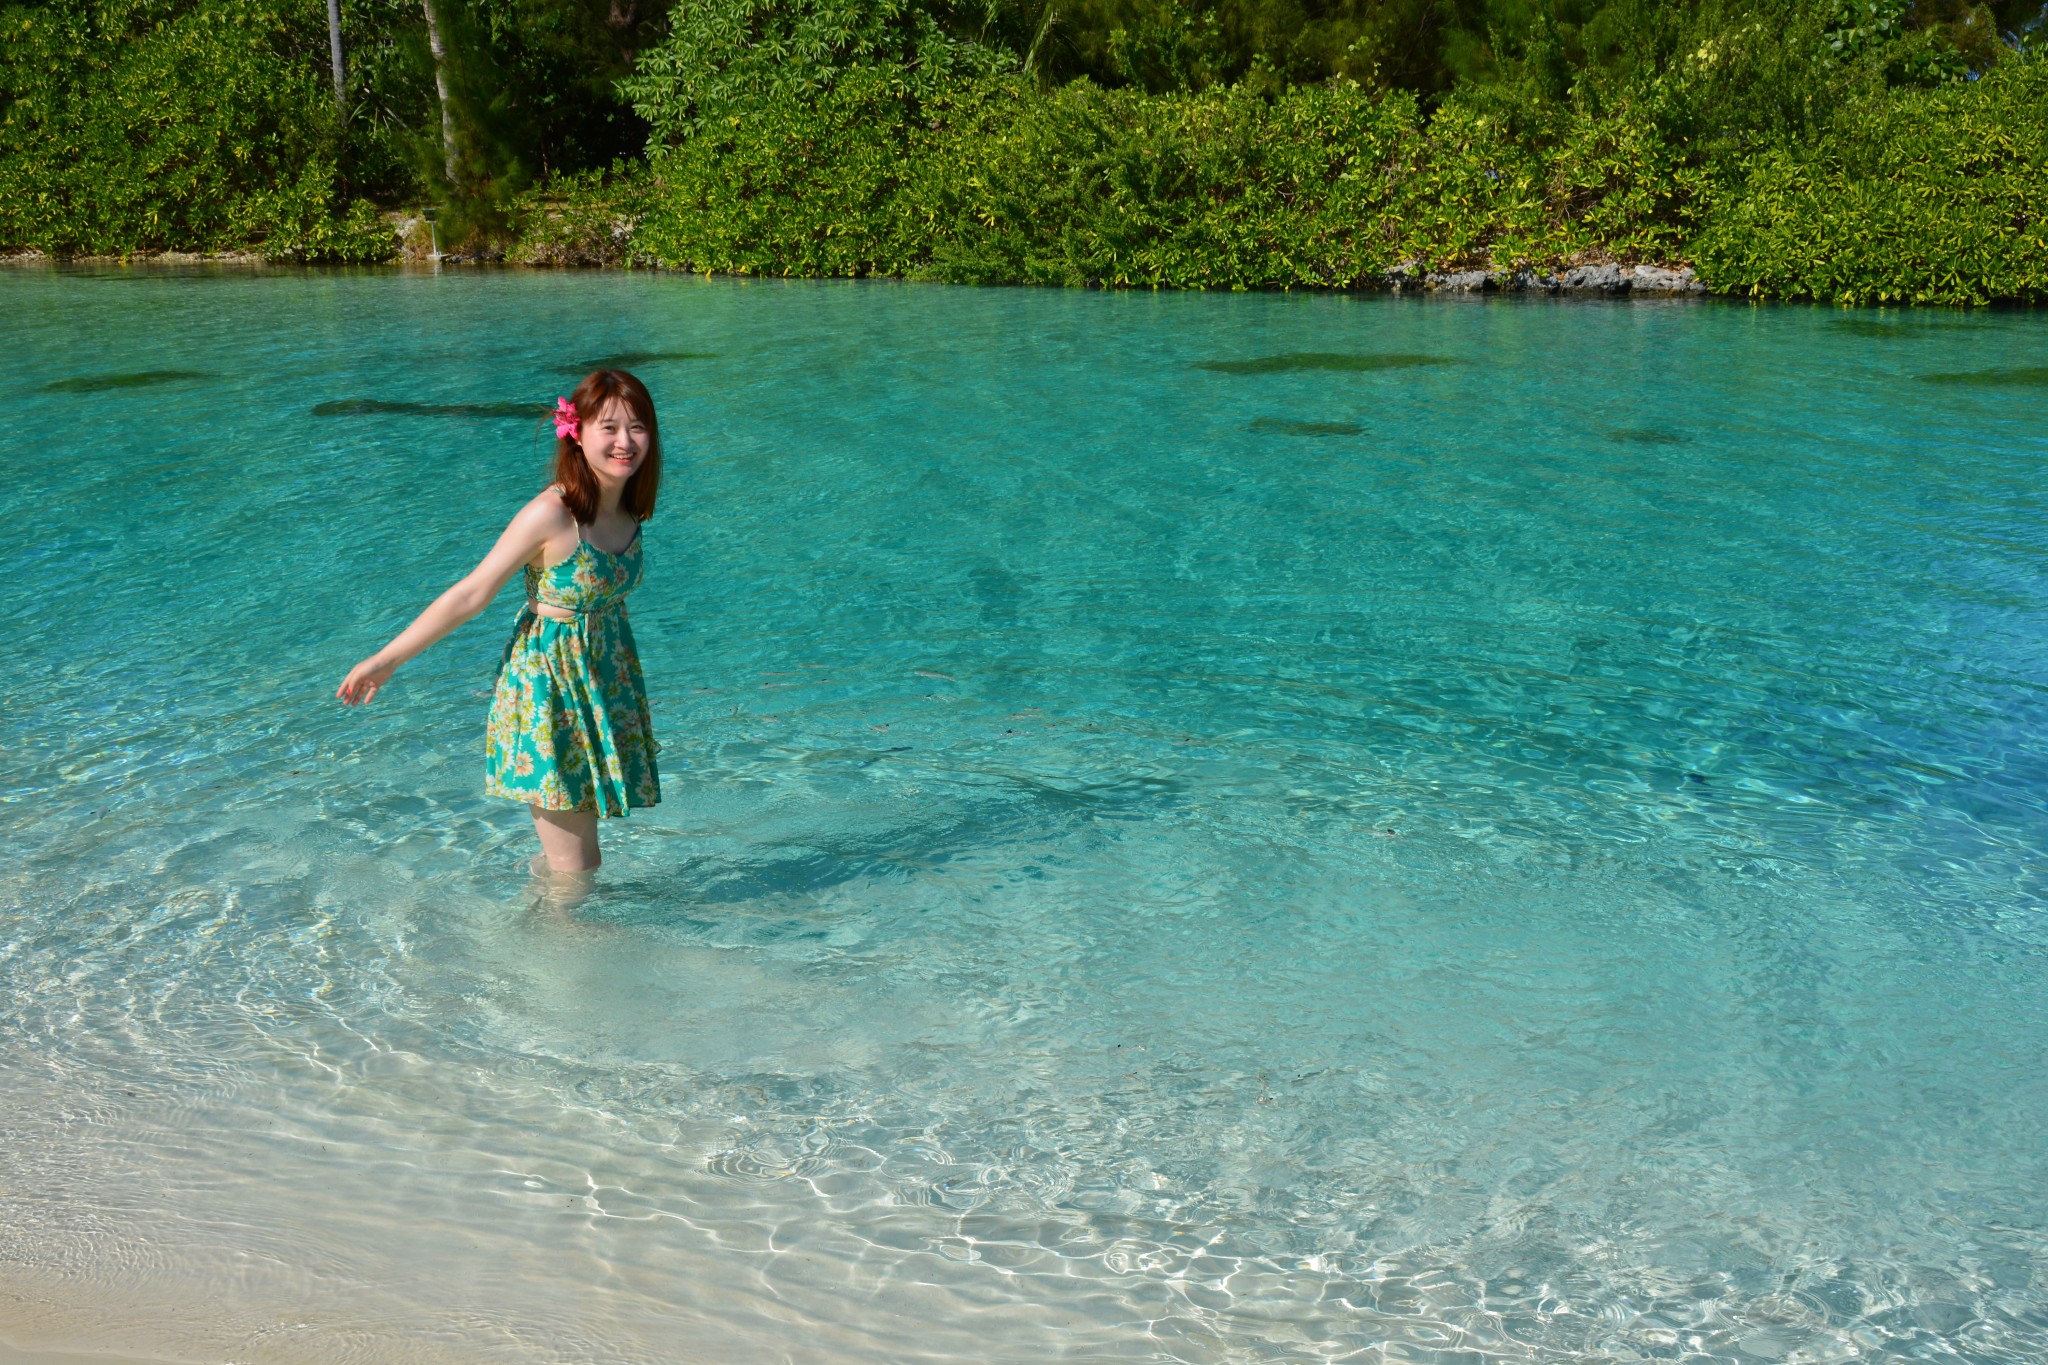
x=1202 y=829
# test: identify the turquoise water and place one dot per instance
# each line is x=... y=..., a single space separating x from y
x=1195 y=829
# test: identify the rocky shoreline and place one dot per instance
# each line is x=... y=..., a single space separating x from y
x=1410 y=277
x=1605 y=278
x=40 y=258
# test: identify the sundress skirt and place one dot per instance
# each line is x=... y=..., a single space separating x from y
x=569 y=728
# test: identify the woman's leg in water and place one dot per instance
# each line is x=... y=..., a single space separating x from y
x=568 y=839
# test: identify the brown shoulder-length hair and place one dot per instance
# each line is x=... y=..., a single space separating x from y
x=572 y=471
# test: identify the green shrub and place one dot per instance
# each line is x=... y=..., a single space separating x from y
x=1937 y=196
x=996 y=182
x=297 y=222
x=1217 y=189
x=802 y=185
x=584 y=219
x=727 y=58
x=136 y=125
x=1618 y=184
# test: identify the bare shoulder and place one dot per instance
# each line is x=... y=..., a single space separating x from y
x=545 y=519
x=547 y=513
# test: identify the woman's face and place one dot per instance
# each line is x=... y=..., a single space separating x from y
x=614 y=441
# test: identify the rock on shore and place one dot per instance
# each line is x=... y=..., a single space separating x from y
x=1579 y=279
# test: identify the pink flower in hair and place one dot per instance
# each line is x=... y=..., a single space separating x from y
x=567 y=423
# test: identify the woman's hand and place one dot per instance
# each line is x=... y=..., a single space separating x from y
x=364 y=679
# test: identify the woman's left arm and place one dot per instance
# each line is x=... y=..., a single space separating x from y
x=521 y=541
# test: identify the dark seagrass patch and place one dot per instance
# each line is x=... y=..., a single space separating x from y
x=2034 y=377
x=386 y=407
x=626 y=360
x=139 y=379
x=1287 y=426
x=1339 y=361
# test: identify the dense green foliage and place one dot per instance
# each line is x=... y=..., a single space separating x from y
x=131 y=125
x=1810 y=156
x=728 y=57
x=1939 y=197
x=1322 y=186
x=140 y=125
x=1851 y=150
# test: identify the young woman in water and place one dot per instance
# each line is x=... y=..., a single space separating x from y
x=568 y=732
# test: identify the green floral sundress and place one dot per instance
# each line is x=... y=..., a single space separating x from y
x=569 y=727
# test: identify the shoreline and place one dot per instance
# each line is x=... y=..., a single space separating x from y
x=1602 y=279
x=1606 y=278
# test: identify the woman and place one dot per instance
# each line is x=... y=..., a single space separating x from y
x=568 y=733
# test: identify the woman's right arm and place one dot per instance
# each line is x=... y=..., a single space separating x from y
x=537 y=522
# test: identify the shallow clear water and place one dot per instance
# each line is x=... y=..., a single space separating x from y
x=1179 y=842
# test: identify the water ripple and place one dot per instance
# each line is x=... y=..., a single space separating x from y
x=1514 y=886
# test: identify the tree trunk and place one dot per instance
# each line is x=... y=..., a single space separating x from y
x=623 y=16
x=334 y=47
x=440 y=52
